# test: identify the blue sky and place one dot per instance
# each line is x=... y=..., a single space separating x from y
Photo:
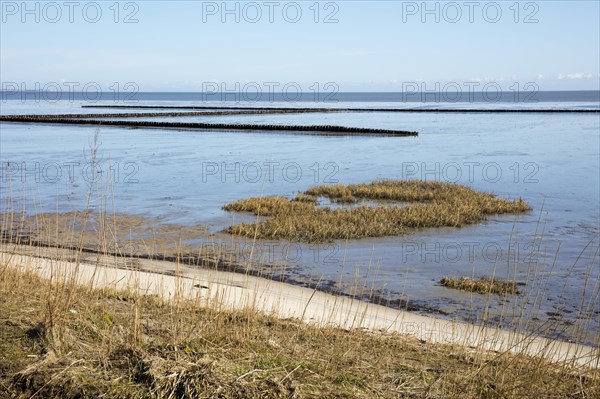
x=373 y=46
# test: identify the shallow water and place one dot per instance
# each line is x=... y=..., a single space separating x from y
x=551 y=160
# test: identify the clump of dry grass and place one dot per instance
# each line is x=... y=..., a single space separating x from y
x=118 y=344
x=483 y=285
x=402 y=206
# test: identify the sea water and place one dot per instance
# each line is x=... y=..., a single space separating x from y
x=552 y=161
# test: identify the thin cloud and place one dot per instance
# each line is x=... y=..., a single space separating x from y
x=575 y=76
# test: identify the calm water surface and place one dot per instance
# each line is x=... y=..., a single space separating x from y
x=551 y=160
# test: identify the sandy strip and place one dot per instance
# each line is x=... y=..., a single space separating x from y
x=238 y=291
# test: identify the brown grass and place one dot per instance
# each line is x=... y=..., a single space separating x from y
x=483 y=285
x=402 y=206
x=125 y=345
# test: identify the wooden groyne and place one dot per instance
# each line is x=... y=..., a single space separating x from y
x=401 y=110
x=165 y=114
x=480 y=110
x=205 y=107
x=326 y=130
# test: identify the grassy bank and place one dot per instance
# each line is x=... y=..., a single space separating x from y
x=60 y=340
x=401 y=207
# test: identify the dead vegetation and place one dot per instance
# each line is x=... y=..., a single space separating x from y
x=64 y=341
x=483 y=285
x=402 y=206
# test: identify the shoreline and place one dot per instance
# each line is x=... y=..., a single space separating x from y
x=238 y=291
x=220 y=264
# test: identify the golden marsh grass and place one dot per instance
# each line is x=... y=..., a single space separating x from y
x=123 y=344
x=483 y=285
x=402 y=206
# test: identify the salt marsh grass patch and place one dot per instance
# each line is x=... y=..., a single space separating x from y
x=483 y=285
x=402 y=206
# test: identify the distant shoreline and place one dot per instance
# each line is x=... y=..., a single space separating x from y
x=466 y=95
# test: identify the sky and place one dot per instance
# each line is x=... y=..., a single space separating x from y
x=356 y=45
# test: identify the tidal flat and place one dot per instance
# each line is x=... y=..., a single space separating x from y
x=184 y=178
